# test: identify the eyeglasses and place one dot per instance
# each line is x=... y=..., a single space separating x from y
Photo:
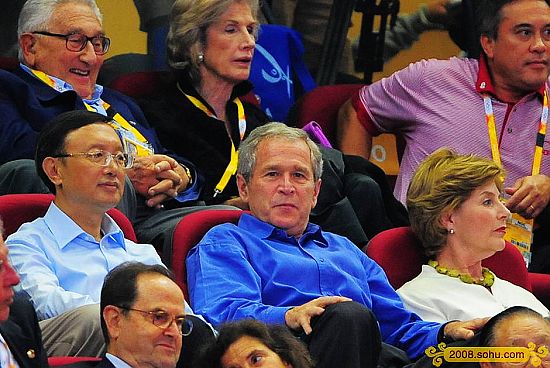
x=163 y=320
x=104 y=158
x=77 y=41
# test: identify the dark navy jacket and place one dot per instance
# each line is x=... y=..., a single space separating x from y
x=27 y=104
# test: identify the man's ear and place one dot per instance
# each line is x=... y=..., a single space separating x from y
x=50 y=166
x=243 y=188
x=487 y=44
x=113 y=320
x=316 y=193
x=27 y=44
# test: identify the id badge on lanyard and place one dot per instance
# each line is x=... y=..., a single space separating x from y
x=131 y=143
x=519 y=230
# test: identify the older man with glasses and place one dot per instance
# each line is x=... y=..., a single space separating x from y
x=63 y=257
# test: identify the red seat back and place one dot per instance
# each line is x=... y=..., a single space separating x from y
x=139 y=84
x=59 y=361
x=17 y=209
x=146 y=84
x=189 y=231
x=399 y=253
x=8 y=63
x=322 y=104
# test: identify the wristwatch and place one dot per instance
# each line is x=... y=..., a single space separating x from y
x=188 y=173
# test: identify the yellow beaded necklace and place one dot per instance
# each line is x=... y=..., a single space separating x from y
x=487 y=280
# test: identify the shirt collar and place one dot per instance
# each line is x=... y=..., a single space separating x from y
x=265 y=230
x=65 y=230
x=116 y=361
x=484 y=83
x=61 y=86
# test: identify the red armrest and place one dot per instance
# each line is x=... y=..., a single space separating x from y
x=62 y=360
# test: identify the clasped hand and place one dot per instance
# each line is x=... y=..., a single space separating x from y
x=529 y=195
x=157 y=178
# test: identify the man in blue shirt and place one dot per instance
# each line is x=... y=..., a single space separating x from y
x=63 y=257
x=276 y=267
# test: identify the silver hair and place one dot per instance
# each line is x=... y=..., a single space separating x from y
x=249 y=147
x=37 y=14
x=189 y=21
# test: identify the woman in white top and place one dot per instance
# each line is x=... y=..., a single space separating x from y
x=455 y=209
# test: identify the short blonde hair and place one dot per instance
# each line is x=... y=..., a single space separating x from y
x=189 y=21
x=441 y=183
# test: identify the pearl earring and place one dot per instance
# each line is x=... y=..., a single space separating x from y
x=201 y=57
x=451 y=231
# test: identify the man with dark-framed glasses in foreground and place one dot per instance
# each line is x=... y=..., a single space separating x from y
x=63 y=257
x=142 y=317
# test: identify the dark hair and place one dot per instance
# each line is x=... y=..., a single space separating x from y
x=489 y=16
x=51 y=140
x=487 y=335
x=276 y=337
x=120 y=287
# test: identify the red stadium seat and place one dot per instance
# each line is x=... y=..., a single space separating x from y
x=189 y=232
x=322 y=104
x=8 y=63
x=146 y=84
x=60 y=361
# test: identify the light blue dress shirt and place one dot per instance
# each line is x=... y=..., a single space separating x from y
x=116 y=361
x=62 y=267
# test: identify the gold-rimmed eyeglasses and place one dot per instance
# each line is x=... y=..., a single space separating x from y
x=103 y=158
x=164 y=319
x=77 y=41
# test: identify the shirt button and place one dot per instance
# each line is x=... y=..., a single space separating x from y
x=321 y=259
x=509 y=130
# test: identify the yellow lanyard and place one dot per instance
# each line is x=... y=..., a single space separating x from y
x=491 y=127
x=519 y=229
x=128 y=132
x=231 y=168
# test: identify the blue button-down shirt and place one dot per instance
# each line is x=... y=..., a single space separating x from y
x=255 y=270
x=62 y=267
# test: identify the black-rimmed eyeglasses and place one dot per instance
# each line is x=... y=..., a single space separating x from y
x=77 y=41
x=163 y=320
x=103 y=158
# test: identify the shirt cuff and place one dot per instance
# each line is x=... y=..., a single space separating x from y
x=192 y=192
